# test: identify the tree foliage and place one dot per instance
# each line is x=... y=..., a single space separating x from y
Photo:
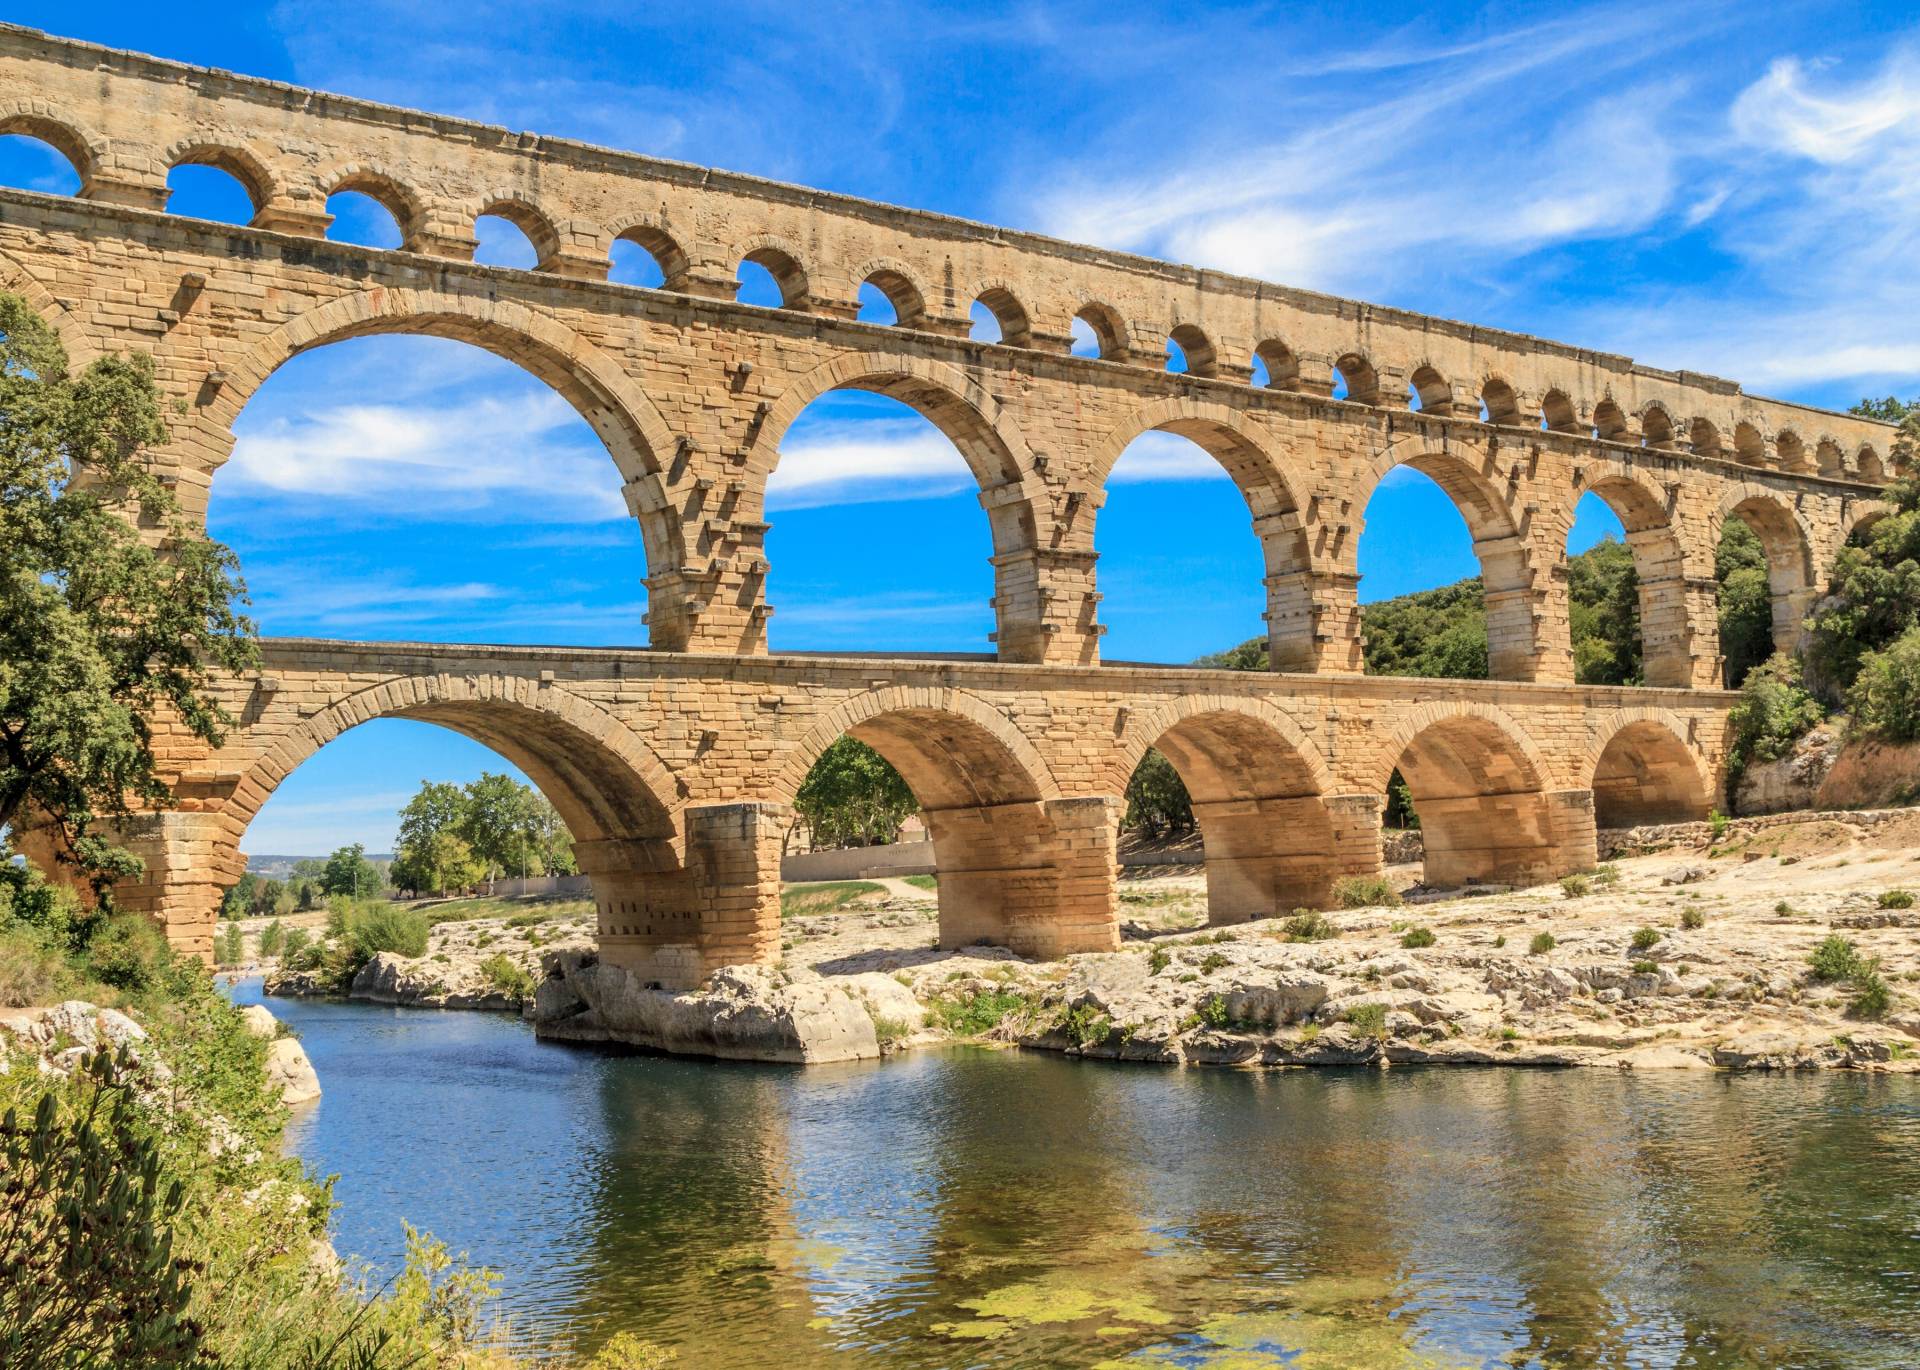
x=853 y=797
x=349 y=874
x=105 y=628
x=1157 y=799
x=1746 y=601
x=1873 y=595
x=452 y=836
x=1603 y=597
x=1774 y=710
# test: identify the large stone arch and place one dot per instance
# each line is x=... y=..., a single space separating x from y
x=1483 y=789
x=635 y=435
x=1259 y=790
x=1789 y=544
x=1644 y=770
x=1678 y=649
x=1018 y=865
x=1012 y=492
x=1297 y=577
x=606 y=782
x=1511 y=584
x=984 y=739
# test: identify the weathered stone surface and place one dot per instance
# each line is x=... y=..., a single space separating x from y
x=750 y=1013
x=289 y=1070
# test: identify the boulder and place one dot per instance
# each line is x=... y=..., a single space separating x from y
x=746 y=1013
x=260 y=1021
x=289 y=1070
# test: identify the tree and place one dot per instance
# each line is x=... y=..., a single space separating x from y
x=498 y=822
x=349 y=873
x=237 y=901
x=1906 y=413
x=1157 y=799
x=108 y=631
x=1873 y=595
x=266 y=898
x=853 y=796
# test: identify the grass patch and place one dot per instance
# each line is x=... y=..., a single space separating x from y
x=1417 y=937
x=1646 y=967
x=1693 y=919
x=1158 y=960
x=1365 y=892
x=976 y=1014
x=508 y=976
x=1576 y=887
x=1541 y=944
x=1370 y=1020
x=827 y=897
x=1643 y=938
x=923 y=882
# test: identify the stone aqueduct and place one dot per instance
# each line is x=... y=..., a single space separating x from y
x=674 y=765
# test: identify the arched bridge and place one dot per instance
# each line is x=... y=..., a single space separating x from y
x=673 y=764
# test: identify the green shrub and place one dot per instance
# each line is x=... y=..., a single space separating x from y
x=106 y=1290
x=1369 y=1019
x=1692 y=919
x=31 y=972
x=1896 y=899
x=1213 y=1010
x=1885 y=698
x=1086 y=1025
x=1542 y=944
x=1214 y=960
x=28 y=900
x=1717 y=824
x=1646 y=967
x=507 y=976
x=1158 y=960
x=1605 y=875
x=378 y=926
x=1774 y=711
x=1417 y=937
x=1871 y=997
x=1365 y=892
x=293 y=943
x=1309 y=925
x=890 y=1032
x=1644 y=938
x=129 y=953
x=1500 y=941
x=1575 y=887
x=231 y=946
x=272 y=938
x=1835 y=959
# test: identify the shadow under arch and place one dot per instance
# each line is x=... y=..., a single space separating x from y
x=1258 y=788
x=1667 y=641
x=1269 y=490
x=1506 y=577
x=1480 y=786
x=1644 y=771
x=635 y=436
x=1014 y=862
x=968 y=416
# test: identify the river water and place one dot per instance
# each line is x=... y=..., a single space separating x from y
x=968 y=1207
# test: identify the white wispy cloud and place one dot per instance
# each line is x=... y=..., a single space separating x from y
x=474 y=457
x=866 y=461
x=1165 y=456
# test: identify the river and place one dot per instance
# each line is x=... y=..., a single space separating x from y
x=968 y=1207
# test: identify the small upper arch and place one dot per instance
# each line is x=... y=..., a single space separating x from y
x=526 y=216
x=1557 y=413
x=1749 y=446
x=1500 y=401
x=650 y=234
x=1610 y=423
x=1868 y=463
x=1361 y=377
x=1829 y=458
x=1791 y=449
x=58 y=130
x=1197 y=348
x=1009 y=314
x=1703 y=436
x=1657 y=428
x=1430 y=387
x=238 y=162
x=1109 y=330
x=384 y=189
x=1281 y=362
x=780 y=259
x=901 y=286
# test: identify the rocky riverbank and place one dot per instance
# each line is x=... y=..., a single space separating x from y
x=1694 y=953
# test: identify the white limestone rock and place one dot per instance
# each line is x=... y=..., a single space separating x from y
x=747 y=1013
x=289 y=1070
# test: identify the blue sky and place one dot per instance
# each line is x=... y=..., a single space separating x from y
x=1729 y=188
